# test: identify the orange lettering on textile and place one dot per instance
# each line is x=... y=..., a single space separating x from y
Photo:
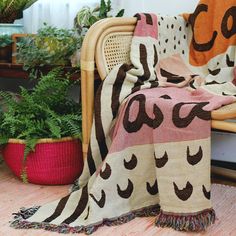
x=214 y=29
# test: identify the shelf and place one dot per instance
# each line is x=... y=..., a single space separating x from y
x=8 y=70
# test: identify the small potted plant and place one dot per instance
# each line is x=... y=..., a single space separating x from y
x=50 y=46
x=40 y=132
x=5 y=48
x=10 y=10
x=87 y=16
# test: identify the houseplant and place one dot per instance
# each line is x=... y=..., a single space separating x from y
x=39 y=132
x=10 y=10
x=50 y=46
x=87 y=16
x=5 y=48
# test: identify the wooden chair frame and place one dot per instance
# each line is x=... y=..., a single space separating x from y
x=93 y=53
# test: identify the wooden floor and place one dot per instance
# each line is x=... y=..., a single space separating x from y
x=15 y=194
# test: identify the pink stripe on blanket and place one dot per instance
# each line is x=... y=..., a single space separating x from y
x=146 y=25
x=166 y=99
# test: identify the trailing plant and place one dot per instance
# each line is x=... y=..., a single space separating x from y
x=5 y=40
x=86 y=17
x=11 y=10
x=44 y=112
x=50 y=46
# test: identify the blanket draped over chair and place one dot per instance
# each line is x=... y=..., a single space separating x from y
x=149 y=153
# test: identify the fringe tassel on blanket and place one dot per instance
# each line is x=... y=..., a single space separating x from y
x=195 y=222
x=20 y=221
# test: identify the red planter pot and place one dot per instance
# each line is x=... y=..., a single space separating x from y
x=54 y=162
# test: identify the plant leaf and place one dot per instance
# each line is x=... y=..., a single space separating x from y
x=120 y=13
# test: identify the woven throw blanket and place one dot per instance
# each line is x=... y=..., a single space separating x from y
x=149 y=153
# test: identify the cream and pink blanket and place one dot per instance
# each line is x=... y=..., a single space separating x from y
x=149 y=153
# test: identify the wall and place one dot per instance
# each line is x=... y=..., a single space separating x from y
x=59 y=13
x=166 y=7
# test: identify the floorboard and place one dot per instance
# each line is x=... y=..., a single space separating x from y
x=15 y=194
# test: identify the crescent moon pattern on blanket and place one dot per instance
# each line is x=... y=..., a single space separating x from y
x=185 y=193
x=101 y=202
x=161 y=162
x=106 y=173
x=194 y=159
x=130 y=165
x=126 y=193
x=206 y=193
x=153 y=190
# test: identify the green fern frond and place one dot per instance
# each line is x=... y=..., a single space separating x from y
x=23 y=175
x=54 y=127
x=44 y=112
x=29 y=146
x=3 y=140
x=8 y=99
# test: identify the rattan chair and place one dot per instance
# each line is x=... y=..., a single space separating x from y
x=107 y=44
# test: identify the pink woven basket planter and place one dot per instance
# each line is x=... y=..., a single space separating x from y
x=54 y=162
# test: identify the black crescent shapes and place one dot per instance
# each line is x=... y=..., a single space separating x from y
x=160 y=162
x=214 y=82
x=106 y=173
x=153 y=190
x=185 y=193
x=225 y=94
x=214 y=72
x=102 y=200
x=197 y=111
x=127 y=192
x=229 y=62
x=165 y=96
x=130 y=165
x=206 y=193
x=194 y=159
x=191 y=84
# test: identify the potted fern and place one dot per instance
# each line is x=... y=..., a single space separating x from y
x=40 y=131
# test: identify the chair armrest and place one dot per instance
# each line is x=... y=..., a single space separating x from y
x=225 y=112
x=224 y=125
